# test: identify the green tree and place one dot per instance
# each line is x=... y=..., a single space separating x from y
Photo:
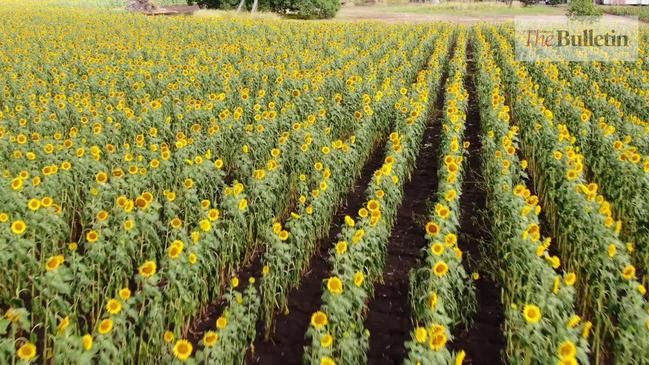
x=303 y=9
x=583 y=8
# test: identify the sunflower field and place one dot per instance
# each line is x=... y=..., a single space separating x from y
x=184 y=189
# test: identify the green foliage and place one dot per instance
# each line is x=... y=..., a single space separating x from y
x=215 y=4
x=583 y=8
x=303 y=9
x=642 y=12
x=309 y=9
x=529 y=2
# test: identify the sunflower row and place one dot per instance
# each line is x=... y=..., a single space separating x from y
x=337 y=334
x=585 y=231
x=623 y=179
x=625 y=82
x=441 y=293
x=630 y=126
x=636 y=129
x=313 y=212
x=541 y=326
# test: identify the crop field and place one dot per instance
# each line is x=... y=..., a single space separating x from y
x=230 y=190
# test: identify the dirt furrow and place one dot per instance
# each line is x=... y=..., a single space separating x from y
x=483 y=341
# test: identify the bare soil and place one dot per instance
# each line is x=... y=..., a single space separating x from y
x=483 y=341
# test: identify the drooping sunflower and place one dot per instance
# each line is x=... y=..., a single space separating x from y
x=87 y=341
x=210 y=338
x=148 y=269
x=567 y=349
x=105 y=326
x=221 y=322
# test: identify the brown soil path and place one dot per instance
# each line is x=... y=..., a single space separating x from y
x=483 y=340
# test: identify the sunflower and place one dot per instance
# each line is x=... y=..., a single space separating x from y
x=437 y=341
x=34 y=204
x=574 y=321
x=92 y=236
x=532 y=313
x=87 y=341
x=124 y=293
x=629 y=272
x=54 y=262
x=213 y=214
x=105 y=326
x=65 y=323
x=341 y=247
x=335 y=285
x=27 y=351
x=168 y=336
x=113 y=306
x=570 y=278
x=421 y=334
x=221 y=322
x=326 y=340
x=243 y=204
x=319 y=320
x=432 y=300
x=571 y=174
x=450 y=239
x=129 y=224
x=432 y=228
x=183 y=350
x=210 y=338
x=450 y=195
x=102 y=215
x=327 y=361
x=440 y=269
x=148 y=269
x=205 y=225
x=442 y=211
x=18 y=227
x=437 y=248
x=176 y=223
x=101 y=177
x=567 y=349
x=192 y=258
x=359 y=278
x=17 y=183
x=373 y=205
